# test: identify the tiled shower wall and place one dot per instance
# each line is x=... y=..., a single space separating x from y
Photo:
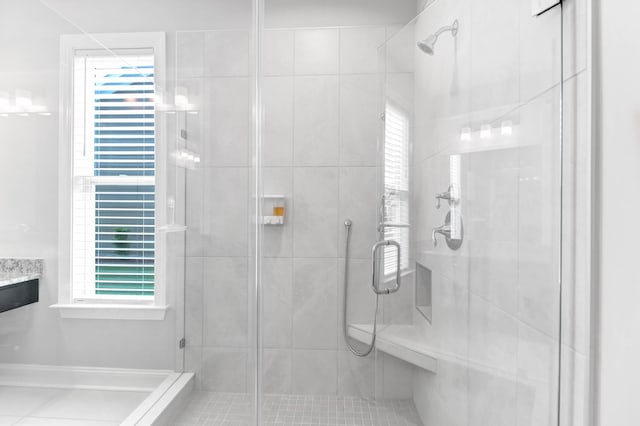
x=322 y=124
x=497 y=301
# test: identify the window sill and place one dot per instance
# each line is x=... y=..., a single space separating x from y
x=112 y=312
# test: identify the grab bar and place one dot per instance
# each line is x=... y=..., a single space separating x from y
x=374 y=275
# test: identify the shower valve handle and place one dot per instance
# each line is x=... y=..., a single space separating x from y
x=442 y=230
x=447 y=195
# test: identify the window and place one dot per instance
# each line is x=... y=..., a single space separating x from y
x=396 y=186
x=110 y=149
x=113 y=234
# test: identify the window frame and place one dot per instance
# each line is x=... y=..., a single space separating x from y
x=105 y=307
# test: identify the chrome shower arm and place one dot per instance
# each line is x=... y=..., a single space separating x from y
x=453 y=28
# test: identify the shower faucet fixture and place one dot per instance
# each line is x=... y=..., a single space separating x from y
x=429 y=43
x=442 y=230
x=447 y=195
x=453 y=233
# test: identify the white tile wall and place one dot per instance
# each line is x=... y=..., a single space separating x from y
x=315 y=201
x=224 y=221
x=315 y=372
x=224 y=369
x=492 y=399
x=278 y=369
x=226 y=302
x=356 y=376
x=316 y=52
x=358 y=49
x=315 y=303
x=190 y=50
x=226 y=53
x=278 y=121
x=361 y=300
x=360 y=123
x=494 y=53
x=279 y=53
x=316 y=120
x=226 y=122
x=277 y=278
x=358 y=201
x=322 y=102
x=503 y=325
x=194 y=300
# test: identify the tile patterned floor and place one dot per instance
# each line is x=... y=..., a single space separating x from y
x=222 y=409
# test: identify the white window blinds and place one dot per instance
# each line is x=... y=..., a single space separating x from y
x=396 y=185
x=113 y=239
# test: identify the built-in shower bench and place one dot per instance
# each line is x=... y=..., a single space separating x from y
x=401 y=341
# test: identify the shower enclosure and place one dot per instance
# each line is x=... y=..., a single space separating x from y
x=442 y=139
x=301 y=179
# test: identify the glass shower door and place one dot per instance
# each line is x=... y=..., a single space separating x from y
x=472 y=101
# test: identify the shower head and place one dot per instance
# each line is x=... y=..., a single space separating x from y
x=429 y=43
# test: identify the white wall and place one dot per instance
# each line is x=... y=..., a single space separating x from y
x=29 y=40
x=617 y=106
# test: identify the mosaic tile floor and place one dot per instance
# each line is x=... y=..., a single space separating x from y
x=215 y=408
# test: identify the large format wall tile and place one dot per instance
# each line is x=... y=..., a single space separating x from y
x=278 y=48
x=278 y=121
x=194 y=299
x=225 y=298
x=316 y=51
x=277 y=283
x=316 y=131
x=224 y=370
x=315 y=303
x=227 y=122
x=361 y=299
x=492 y=399
x=356 y=375
x=358 y=202
x=315 y=372
x=190 y=51
x=442 y=398
x=195 y=211
x=225 y=222
x=494 y=54
x=396 y=376
x=277 y=371
x=315 y=201
x=493 y=337
x=360 y=123
x=359 y=49
x=226 y=53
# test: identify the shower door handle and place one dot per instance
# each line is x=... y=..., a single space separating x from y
x=375 y=269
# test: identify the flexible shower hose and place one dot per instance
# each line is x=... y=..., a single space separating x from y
x=347 y=226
